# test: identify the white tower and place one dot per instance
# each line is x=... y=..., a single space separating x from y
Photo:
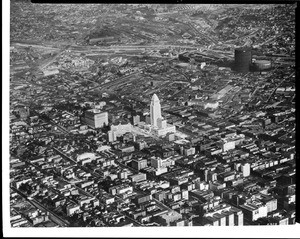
x=155 y=110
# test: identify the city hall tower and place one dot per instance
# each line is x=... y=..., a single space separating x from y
x=155 y=110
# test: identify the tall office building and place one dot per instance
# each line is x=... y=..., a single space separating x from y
x=159 y=125
x=95 y=118
x=155 y=110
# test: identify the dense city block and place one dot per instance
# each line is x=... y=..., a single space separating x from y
x=152 y=115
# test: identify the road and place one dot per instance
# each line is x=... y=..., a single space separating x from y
x=132 y=220
x=162 y=205
x=52 y=59
x=35 y=45
x=109 y=49
x=127 y=167
x=117 y=82
x=53 y=216
x=63 y=129
x=95 y=175
x=287 y=77
x=89 y=49
x=177 y=92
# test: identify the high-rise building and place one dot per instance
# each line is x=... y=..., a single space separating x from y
x=155 y=110
x=159 y=126
x=139 y=164
x=112 y=136
x=156 y=162
x=243 y=59
x=245 y=168
x=95 y=118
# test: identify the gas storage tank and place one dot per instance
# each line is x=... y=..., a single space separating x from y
x=262 y=65
x=242 y=59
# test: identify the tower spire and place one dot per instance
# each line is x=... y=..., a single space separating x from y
x=155 y=110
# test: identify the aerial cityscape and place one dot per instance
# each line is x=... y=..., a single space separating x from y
x=151 y=115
